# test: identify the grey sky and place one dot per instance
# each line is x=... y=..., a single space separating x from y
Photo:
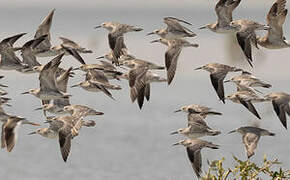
x=119 y=3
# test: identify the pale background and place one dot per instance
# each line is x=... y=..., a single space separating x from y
x=128 y=143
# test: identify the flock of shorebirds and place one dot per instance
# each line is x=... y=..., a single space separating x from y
x=120 y=64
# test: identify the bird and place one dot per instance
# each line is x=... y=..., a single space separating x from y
x=171 y=55
x=48 y=87
x=196 y=130
x=198 y=109
x=99 y=77
x=251 y=136
x=280 y=102
x=28 y=54
x=274 y=39
x=246 y=35
x=139 y=85
x=116 y=37
x=110 y=71
x=96 y=81
x=65 y=128
x=174 y=29
x=9 y=131
x=9 y=60
x=67 y=43
x=57 y=105
x=218 y=73
x=247 y=98
x=81 y=111
x=193 y=148
x=247 y=79
x=224 y=10
x=132 y=62
x=44 y=48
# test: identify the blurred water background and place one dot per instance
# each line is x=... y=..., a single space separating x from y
x=128 y=143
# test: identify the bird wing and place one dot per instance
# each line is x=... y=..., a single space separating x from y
x=119 y=48
x=97 y=75
x=74 y=53
x=9 y=134
x=275 y=19
x=28 y=53
x=195 y=159
x=65 y=145
x=44 y=29
x=3 y=143
x=171 y=57
x=8 y=56
x=224 y=10
x=217 y=80
x=280 y=111
x=249 y=106
x=62 y=80
x=137 y=83
x=11 y=40
x=69 y=43
x=147 y=91
x=47 y=75
x=65 y=137
x=250 y=140
x=245 y=44
x=195 y=118
x=173 y=25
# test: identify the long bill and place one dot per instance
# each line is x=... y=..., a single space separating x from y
x=96 y=27
x=232 y=131
x=34 y=132
x=150 y=34
x=100 y=57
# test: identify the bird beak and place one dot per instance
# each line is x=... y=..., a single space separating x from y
x=97 y=27
x=175 y=132
x=176 y=144
x=99 y=113
x=232 y=131
x=150 y=34
x=227 y=81
x=32 y=133
x=203 y=27
x=75 y=85
x=101 y=57
x=33 y=124
x=75 y=69
x=154 y=41
x=40 y=108
x=198 y=68
x=177 y=111
x=27 y=92
x=2 y=85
